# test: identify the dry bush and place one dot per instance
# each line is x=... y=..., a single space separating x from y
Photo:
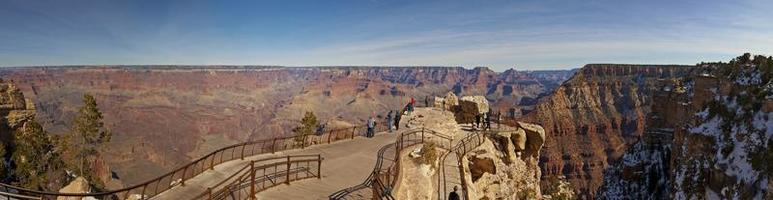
x=429 y=153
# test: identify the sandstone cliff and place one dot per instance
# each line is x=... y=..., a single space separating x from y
x=713 y=131
x=592 y=118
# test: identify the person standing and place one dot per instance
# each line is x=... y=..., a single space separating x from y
x=390 y=121
x=454 y=195
x=371 y=126
x=412 y=105
x=477 y=120
x=398 y=115
x=426 y=101
x=488 y=121
x=499 y=119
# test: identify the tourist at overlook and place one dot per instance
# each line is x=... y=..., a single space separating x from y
x=398 y=115
x=488 y=121
x=499 y=119
x=454 y=195
x=390 y=121
x=371 y=126
x=426 y=101
x=477 y=120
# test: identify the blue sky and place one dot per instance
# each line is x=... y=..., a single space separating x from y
x=542 y=34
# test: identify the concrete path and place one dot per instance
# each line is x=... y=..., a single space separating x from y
x=345 y=163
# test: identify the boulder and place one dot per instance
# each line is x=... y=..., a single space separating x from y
x=439 y=102
x=480 y=101
x=519 y=140
x=535 y=138
x=79 y=185
x=451 y=100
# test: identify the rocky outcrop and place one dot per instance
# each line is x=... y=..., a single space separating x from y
x=480 y=101
x=593 y=117
x=709 y=140
x=168 y=115
x=497 y=169
x=78 y=186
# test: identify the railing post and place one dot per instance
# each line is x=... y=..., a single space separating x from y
x=287 y=181
x=182 y=182
x=212 y=162
x=319 y=166
x=303 y=141
x=422 y=134
x=329 y=134
x=209 y=191
x=243 y=151
x=252 y=180
x=273 y=146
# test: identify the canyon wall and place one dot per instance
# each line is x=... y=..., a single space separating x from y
x=164 y=116
x=592 y=118
x=711 y=138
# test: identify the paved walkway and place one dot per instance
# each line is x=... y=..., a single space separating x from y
x=345 y=163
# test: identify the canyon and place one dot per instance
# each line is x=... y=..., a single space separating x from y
x=164 y=116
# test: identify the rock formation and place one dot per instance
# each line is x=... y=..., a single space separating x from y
x=480 y=101
x=709 y=140
x=498 y=170
x=164 y=116
x=78 y=186
x=593 y=117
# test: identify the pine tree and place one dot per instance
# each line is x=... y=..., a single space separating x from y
x=87 y=136
x=308 y=124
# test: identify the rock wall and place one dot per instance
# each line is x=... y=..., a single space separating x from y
x=594 y=116
x=708 y=137
x=501 y=168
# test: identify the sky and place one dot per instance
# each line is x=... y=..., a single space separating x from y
x=525 y=35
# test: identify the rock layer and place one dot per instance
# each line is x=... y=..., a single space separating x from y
x=164 y=116
x=593 y=117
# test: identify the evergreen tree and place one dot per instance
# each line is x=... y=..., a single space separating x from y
x=33 y=156
x=308 y=124
x=87 y=137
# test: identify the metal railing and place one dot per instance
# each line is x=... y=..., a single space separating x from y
x=180 y=175
x=464 y=146
x=262 y=174
x=384 y=180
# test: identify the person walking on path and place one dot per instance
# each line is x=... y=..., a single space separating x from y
x=499 y=119
x=412 y=105
x=477 y=120
x=398 y=115
x=454 y=195
x=371 y=126
x=390 y=121
x=488 y=121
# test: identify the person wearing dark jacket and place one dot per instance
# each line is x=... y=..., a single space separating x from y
x=454 y=195
x=477 y=120
x=398 y=115
x=390 y=121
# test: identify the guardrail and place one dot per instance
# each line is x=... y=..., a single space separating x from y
x=384 y=180
x=464 y=146
x=366 y=184
x=259 y=175
x=178 y=176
